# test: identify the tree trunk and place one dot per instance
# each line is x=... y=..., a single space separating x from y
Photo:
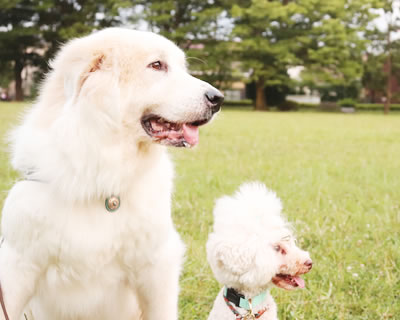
x=261 y=102
x=386 y=107
x=19 y=94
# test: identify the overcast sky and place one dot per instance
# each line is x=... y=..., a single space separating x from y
x=382 y=20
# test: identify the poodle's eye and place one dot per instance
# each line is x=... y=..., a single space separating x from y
x=158 y=65
x=279 y=249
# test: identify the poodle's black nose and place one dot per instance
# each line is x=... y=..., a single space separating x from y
x=214 y=99
x=308 y=264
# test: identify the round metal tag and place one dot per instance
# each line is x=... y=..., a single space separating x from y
x=113 y=203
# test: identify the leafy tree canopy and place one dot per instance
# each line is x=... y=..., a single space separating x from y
x=32 y=30
x=323 y=36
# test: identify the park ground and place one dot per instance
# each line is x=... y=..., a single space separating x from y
x=339 y=178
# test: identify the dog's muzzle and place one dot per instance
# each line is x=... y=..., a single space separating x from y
x=214 y=100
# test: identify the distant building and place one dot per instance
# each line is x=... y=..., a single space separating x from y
x=309 y=96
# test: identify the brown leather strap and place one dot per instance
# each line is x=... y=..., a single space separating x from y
x=3 y=305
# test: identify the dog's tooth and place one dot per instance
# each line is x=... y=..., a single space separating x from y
x=186 y=145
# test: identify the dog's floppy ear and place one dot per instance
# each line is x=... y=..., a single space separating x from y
x=75 y=80
x=235 y=258
x=93 y=66
x=241 y=262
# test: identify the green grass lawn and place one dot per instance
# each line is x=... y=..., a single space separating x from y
x=339 y=178
x=9 y=114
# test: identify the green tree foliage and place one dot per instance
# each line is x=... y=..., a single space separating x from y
x=374 y=78
x=182 y=21
x=224 y=40
x=266 y=31
x=324 y=36
x=198 y=28
x=376 y=73
x=382 y=65
x=6 y=73
x=32 y=30
x=18 y=40
x=390 y=47
x=335 y=56
x=61 y=20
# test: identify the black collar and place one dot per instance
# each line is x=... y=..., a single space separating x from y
x=233 y=296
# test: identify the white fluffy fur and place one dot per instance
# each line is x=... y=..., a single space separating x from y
x=64 y=257
x=241 y=250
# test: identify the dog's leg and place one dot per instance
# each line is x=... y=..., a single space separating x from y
x=18 y=280
x=159 y=285
x=158 y=297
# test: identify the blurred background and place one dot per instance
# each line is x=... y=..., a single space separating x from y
x=270 y=54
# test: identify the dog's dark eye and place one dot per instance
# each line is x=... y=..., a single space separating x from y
x=158 y=65
x=279 y=249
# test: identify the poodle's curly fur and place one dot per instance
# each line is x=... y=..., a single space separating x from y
x=252 y=248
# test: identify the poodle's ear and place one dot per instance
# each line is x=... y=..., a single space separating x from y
x=232 y=257
x=76 y=78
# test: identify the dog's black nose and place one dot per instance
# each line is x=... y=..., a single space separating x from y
x=214 y=99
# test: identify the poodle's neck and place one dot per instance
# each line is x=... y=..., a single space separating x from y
x=263 y=305
x=242 y=301
x=251 y=292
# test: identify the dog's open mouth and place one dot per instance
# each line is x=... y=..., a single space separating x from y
x=288 y=282
x=172 y=133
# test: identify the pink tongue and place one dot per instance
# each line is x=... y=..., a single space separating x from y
x=191 y=134
x=300 y=282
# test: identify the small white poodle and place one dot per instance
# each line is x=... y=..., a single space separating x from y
x=252 y=248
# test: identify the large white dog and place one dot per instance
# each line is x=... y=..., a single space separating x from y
x=87 y=233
